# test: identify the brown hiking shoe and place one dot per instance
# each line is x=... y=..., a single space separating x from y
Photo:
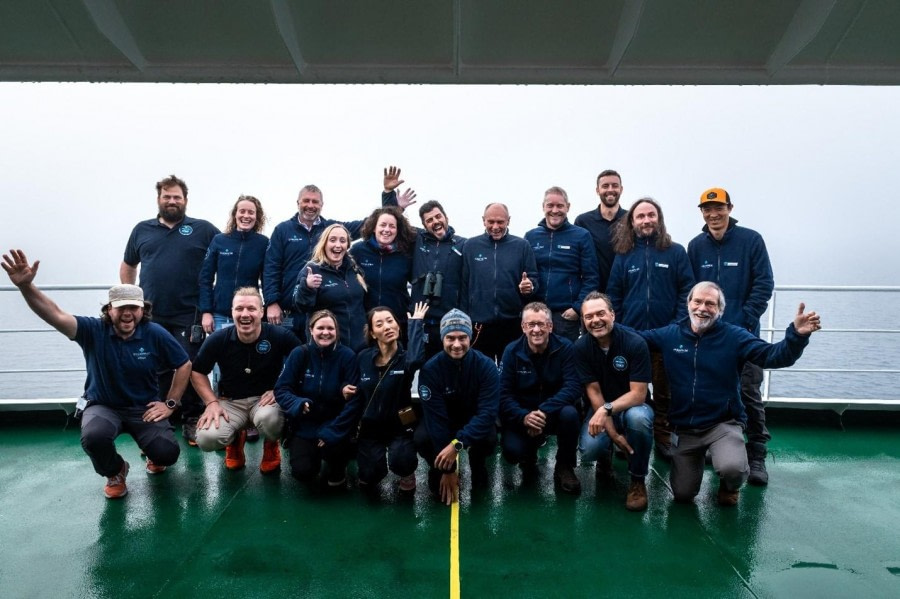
x=154 y=468
x=727 y=498
x=271 y=458
x=234 y=453
x=565 y=479
x=636 y=500
x=115 y=485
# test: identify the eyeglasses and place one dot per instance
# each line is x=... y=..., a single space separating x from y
x=538 y=325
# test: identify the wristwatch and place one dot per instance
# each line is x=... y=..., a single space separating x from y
x=458 y=445
x=608 y=407
x=171 y=403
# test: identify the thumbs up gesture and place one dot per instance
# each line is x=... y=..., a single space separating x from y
x=313 y=281
x=525 y=285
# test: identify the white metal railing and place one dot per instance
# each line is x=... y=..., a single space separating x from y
x=768 y=332
x=836 y=404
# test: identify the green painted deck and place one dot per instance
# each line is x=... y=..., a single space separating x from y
x=827 y=526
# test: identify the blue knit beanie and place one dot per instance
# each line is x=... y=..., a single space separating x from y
x=456 y=320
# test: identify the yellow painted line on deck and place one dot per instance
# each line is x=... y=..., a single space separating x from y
x=454 y=550
x=454 y=543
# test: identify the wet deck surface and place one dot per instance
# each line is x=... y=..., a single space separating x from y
x=827 y=526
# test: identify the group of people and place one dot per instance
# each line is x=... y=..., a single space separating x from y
x=312 y=341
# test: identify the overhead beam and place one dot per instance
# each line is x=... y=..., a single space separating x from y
x=110 y=23
x=284 y=21
x=805 y=26
x=625 y=32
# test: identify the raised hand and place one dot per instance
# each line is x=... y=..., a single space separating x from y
x=16 y=266
x=418 y=312
x=392 y=178
x=406 y=198
x=808 y=323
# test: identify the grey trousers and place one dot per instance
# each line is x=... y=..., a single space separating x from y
x=725 y=442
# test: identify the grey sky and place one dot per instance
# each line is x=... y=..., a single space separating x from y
x=808 y=167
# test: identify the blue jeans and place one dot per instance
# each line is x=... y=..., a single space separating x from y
x=520 y=447
x=636 y=424
x=219 y=322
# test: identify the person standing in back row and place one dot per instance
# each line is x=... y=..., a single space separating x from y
x=170 y=250
x=737 y=260
x=650 y=279
x=602 y=222
x=499 y=273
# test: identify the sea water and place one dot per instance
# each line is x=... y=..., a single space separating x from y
x=829 y=349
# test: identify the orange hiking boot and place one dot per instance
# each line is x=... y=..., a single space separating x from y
x=234 y=453
x=115 y=485
x=271 y=459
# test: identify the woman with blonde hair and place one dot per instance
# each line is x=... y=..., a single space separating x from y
x=331 y=280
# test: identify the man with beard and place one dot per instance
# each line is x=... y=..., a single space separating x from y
x=703 y=358
x=566 y=263
x=250 y=356
x=601 y=223
x=499 y=273
x=613 y=364
x=648 y=285
x=538 y=392
x=123 y=353
x=437 y=259
x=170 y=250
x=460 y=393
x=736 y=258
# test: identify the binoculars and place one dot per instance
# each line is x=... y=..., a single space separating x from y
x=434 y=282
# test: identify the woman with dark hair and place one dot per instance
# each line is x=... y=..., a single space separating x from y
x=331 y=280
x=234 y=260
x=385 y=255
x=314 y=392
x=388 y=421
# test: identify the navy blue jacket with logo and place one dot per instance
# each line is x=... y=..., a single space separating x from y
x=566 y=264
x=233 y=260
x=491 y=274
x=547 y=382
x=290 y=248
x=739 y=264
x=382 y=393
x=316 y=375
x=438 y=256
x=340 y=292
x=460 y=398
x=649 y=287
x=387 y=274
x=704 y=370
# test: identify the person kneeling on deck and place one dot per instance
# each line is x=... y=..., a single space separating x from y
x=538 y=390
x=704 y=358
x=613 y=364
x=123 y=353
x=250 y=356
x=459 y=389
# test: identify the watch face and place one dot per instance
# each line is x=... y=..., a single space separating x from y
x=171 y=404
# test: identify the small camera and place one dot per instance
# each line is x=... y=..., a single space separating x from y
x=197 y=334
